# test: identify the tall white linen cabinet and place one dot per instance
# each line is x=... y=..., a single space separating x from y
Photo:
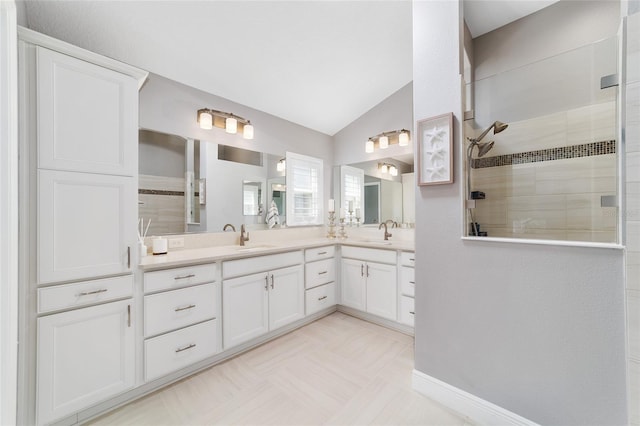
x=78 y=204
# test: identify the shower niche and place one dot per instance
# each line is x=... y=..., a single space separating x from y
x=541 y=149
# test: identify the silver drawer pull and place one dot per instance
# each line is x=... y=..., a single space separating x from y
x=184 y=308
x=412 y=282
x=412 y=313
x=87 y=293
x=322 y=298
x=322 y=273
x=193 y=345
x=413 y=260
x=184 y=277
x=322 y=252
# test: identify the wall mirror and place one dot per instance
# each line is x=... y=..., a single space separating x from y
x=377 y=190
x=192 y=186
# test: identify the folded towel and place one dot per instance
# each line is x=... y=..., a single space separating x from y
x=273 y=218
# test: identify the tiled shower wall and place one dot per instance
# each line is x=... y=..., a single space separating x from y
x=545 y=177
x=632 y=214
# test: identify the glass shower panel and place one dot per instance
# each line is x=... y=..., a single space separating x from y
x=552 y=174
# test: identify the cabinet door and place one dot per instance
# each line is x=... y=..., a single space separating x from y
x=286 y=296
x=87 y=116
x=86 y=225
x=84 y=356
x=382 y=290
x=353 y=284
x=245 y=305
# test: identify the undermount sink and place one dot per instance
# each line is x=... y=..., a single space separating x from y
x=255 y=248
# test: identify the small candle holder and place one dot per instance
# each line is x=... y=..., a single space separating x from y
x=331 y=227
x=350 y=218
x=342 y=233
x=358 y=221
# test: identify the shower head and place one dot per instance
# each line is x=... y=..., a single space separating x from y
x=497 y=126
x=483 y=148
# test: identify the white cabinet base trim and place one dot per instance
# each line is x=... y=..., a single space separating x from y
x=475 y=409
x=393 y=325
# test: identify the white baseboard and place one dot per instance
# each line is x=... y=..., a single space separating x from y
x=476 y=409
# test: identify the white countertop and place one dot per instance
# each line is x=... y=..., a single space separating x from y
x=220 y=253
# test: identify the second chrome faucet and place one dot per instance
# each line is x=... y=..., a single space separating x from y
x=387 y=234
x=243 y=237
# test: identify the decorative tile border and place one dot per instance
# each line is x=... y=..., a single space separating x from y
x=560 y=153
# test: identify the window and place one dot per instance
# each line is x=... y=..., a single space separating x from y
x=352 y=188
x=304 y=179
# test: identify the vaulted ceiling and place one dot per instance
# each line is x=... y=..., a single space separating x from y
x=320 y=64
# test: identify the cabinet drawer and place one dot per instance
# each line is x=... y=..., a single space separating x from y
x=320 y=298
x=172 y=351
x=235 y=268
x=319 y=253
x=373 y=255
x=320 y=272
x=179 y=277
x=178 y=308
x=407 y=310
x=85 y=293
x=407 y=281
x=408 y=258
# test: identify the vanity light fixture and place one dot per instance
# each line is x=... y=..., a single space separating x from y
x=383 y=142
x=384 y=139
x=282 y=165
x=210 y=118
x=388 y=168
x=369 y=147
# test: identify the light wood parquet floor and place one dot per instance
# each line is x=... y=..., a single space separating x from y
x=338 y=370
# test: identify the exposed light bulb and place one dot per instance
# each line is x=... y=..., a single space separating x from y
x=247 y=132
x=369 y=147
x=384 y=142
x=231 y=125
x=393 y=171
x=403 y=138
x=205 y=119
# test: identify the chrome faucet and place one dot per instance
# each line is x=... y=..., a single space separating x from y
x=228 y=225
x=387 y=234
x=243 y=237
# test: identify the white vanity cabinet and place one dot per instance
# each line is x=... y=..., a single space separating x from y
x=320 y=276
x=263 y=301
x=87 y=116
x=78 y=127
x=84 y=356
x=86 y=225
x=369 y=281
x=181 y=318
x=86 y=122
x=407 y=288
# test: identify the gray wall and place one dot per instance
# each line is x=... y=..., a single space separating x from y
x=536 y=329
x=553 y=30
x=394 y=113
